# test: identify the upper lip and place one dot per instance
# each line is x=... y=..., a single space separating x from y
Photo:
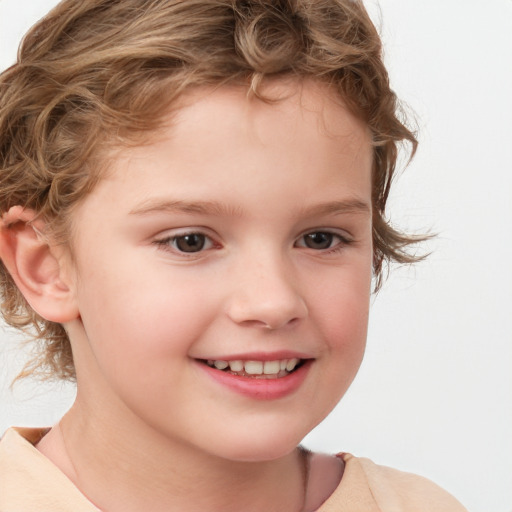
x=259 y=356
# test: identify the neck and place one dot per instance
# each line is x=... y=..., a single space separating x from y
x=128 y=469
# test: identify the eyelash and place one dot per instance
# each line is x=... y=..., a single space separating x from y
x=343 y=241
x=168 y=242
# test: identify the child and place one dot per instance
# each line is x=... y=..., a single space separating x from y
x=193 y=206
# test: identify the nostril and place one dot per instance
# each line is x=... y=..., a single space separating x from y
x=265 y=308
x=269 y=325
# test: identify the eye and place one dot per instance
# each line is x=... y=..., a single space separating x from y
x=318 y=240
x=186 y=243
x=193 y=242
x=321 y=240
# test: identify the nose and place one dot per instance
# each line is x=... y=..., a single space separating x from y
x=266 y=295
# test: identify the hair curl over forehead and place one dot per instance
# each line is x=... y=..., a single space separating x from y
x=95 y=74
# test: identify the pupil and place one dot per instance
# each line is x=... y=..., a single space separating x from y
x=190 y=243
x=319 y=240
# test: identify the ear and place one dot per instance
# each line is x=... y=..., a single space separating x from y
x=40 y=271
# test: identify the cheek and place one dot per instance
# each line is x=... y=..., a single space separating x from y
x=341 y=304
x=345 y=336
x=137 y=320
x=341 y=311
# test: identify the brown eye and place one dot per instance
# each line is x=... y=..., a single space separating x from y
x=318 y=240
x=193 y=242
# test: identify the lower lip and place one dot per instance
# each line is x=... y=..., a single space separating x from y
x=260 y=389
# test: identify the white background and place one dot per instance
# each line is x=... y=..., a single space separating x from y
x=434 y=395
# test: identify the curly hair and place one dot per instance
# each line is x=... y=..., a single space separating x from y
x=98 y=73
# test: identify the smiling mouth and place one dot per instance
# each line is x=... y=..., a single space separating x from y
x=257 y=369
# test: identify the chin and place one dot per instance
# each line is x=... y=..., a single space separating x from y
x=259 y=445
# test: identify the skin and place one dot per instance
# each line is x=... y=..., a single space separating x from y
x=146 y=415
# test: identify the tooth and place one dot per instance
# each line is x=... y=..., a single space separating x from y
x=282 y=364
x=271 y=367
x=236 y=366
x=221 y=365
x=291 y=364
x=254 y=367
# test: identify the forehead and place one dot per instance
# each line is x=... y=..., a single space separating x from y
x=304 y=113
x=221 y=143
x=305 y=103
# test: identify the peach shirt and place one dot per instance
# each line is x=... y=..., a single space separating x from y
x=29 y=482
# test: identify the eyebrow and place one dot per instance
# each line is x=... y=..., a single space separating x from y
x=188 y=207
x=346 y=206
x=152 y=206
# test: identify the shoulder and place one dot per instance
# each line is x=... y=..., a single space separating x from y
x=397 y=490
x=29 y=481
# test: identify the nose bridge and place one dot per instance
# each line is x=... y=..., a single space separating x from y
x=266 y=292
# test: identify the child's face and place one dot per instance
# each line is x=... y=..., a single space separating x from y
x=242 y=233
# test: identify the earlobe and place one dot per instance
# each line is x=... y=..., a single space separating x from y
x=35 y=267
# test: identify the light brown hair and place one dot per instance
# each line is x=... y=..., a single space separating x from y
x=94 y=74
